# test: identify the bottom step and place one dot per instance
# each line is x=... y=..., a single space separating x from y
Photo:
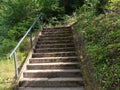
x=52 y=88
x=51 y=82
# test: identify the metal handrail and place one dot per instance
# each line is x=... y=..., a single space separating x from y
x=14 y=50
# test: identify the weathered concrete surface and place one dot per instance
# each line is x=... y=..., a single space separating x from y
x=50 y=88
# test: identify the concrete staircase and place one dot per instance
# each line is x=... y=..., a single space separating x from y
x=54 y=62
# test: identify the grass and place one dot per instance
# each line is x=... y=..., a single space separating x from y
x=7 y=71
x=6 y=74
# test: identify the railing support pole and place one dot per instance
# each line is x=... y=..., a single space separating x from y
x=39 y=24
x=30 y=39
x=16 y=65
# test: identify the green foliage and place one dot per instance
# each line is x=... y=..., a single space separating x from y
x=50 y=8
x=102 y=40
x=20 y=10
x=8 y=39
x=100 y=6
x=5 y=46
x=13 y=24
x=20 y=29
x=71 y=5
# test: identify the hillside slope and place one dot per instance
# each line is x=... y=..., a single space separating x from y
x=102 y=41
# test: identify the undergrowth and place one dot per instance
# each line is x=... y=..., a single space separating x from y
x=102 y=41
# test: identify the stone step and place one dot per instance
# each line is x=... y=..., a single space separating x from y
x=55 y=41
x=53 y=59
x=52 y=82
x=58 y=65
x=54 y=54
x=54 y=45
x=57 y=29
x=52 y=88
x=52 y=73
x=37 y=50
x=57 y=37
x=56 y=32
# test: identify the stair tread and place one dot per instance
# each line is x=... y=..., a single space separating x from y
x=53 y=70
x=57 y=63
x=57 y=28
x=62 y=32
x=61 y=44
x=54 y=57
x=55 y=52
x=53 y=40
x=52 y=88
x=53 y=79
x=55 y=36
x=54 y=48
x=59 y=36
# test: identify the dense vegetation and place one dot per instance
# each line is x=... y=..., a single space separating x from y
x=102 y=41
x=98 y=22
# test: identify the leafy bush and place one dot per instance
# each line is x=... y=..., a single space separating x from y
x=20 y=29
x=20 y=10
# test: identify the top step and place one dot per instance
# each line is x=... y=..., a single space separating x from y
x=57 y=28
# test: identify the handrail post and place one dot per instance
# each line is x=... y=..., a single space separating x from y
x=30 y=39
x=16 y=65
x=39 y=23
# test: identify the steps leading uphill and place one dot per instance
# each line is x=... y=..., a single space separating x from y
x=54 y=61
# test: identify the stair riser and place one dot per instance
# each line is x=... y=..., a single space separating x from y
x=51 y=83
x=53 y=46
x=52 y=60
x=54 y=42
x=52 y=50
x=55 y=35
x=57 y=38
x=53 y=55
x=56 y=30
x=59 y=28
x=51 y=74
x=38 y=67
x=60 y=32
